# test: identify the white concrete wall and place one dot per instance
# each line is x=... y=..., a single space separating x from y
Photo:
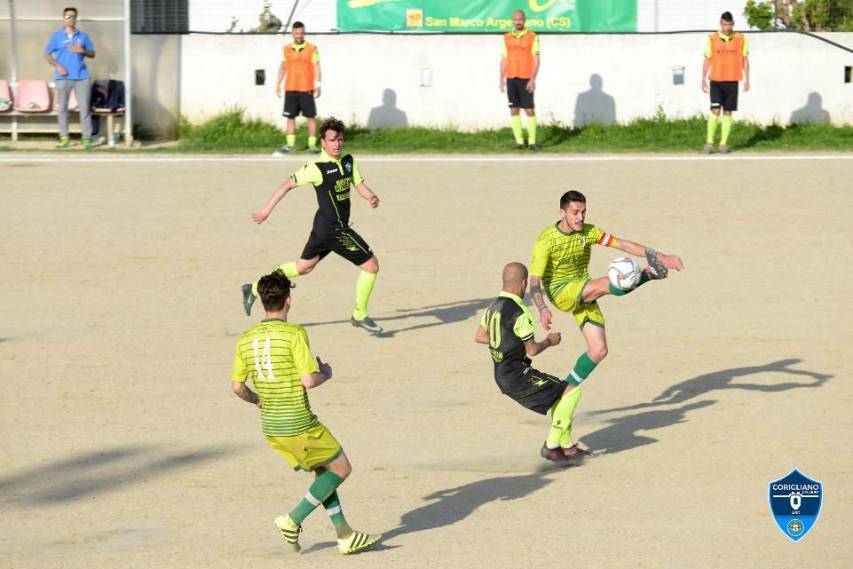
x=217 y=72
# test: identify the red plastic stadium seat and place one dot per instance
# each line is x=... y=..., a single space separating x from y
x=32 y=96
x=5 y=96
x=73 y=105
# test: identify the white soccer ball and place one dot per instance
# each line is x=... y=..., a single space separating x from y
x=624 y=273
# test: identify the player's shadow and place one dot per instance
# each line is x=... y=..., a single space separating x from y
x=96 y=473
x=440 y=314
x=622 y=432
x=451 y=505
x=725 y=379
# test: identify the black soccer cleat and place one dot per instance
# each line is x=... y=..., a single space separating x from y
x=658 y=271
x=555 y=455
x=368 y=324
x=248 y=298
x=534 y=148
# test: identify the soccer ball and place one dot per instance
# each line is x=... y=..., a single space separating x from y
x=624 y=273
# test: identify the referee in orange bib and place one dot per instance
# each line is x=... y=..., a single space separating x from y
x=300 y=71
x=519 y=67
x=726 y=57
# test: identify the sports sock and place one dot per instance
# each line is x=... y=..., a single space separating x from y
x=727 y=129
x=312 y=142
x=644 y=278
x=712 y=128
x=531 y=130
x=561 y=418
x=289 y=270
x=583 y=367
x=291 y=140
x=363 y=288
x=516 y=129
x=336 y=514
x=318 y=492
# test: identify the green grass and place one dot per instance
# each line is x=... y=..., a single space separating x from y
x=230 y=132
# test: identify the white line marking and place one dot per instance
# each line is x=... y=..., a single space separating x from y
x=48 y=159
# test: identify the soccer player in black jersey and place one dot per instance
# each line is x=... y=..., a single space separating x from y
x=332 y=174
x=507 y=327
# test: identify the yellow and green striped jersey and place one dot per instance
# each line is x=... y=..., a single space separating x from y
x=560 y=258
x=275 y=355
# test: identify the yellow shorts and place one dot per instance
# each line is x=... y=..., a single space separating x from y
x=569 y=300
x=314 y=448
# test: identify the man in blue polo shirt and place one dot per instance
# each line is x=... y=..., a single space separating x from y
x=66 y=52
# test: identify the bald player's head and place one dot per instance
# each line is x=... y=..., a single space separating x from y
x=518 y=20
x=515 y=278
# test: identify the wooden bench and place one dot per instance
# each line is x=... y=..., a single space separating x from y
x=16 y=122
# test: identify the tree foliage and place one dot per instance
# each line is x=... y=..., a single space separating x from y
x=801 y=15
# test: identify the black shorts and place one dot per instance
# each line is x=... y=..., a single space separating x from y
x=518 y=95
x=532 y=389
x=724 y=94
x=296 y=102
x=343 y=241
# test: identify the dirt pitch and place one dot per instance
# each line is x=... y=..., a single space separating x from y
x=123 y=446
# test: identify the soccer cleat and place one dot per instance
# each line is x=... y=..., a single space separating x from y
x=708 y=148
x=282 y=151
x=658 y=271
x=575 y=452
x=64 y=141
x=358 y=541
x=534 y=148
x=313 y=150
x=518 y=147
x=289 y=532
x=724 y=149
x=248 y=298
x=368 y=324
x=554 y=455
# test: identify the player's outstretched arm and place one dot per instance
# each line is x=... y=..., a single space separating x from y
x=539 y=300
x=482 y=336
x=532 y=347
x=262 y=214
x=367 y=194
x=669 y=261
x=317 y=378
x=240 y=389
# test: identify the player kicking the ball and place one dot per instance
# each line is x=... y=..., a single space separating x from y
x=561 y=265
x=276 y=356
x=507 y=327
x=332 y=174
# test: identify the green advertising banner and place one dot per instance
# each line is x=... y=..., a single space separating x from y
x=486 y=15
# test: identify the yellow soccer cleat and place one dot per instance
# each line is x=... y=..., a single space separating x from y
x=289 y=532
x=358 y=541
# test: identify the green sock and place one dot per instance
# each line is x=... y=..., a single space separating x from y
x=289 y=270
x=727 y=128
x=312 y=141
x=363 y=288
x=712 y=128
x=291 y=140
x=531 y=130
x=644 y=278
x=561 y=418
x=516 y=129
x=583 y=367
x=336 y=514
x=319 y=491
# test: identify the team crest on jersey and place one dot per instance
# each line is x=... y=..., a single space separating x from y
x=795 y=501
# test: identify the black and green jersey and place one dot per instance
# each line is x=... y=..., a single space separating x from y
x=509 y=324
x=332 y=180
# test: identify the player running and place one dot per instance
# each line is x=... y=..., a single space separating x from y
x=276 y=356
x=332 y=174
x=561 y=265
x=507 y=327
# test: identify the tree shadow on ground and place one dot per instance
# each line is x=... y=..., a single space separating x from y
x=441 y=314
x=96 y=473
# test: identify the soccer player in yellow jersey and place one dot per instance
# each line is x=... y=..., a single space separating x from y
x=276 y=356
x=560 y=271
